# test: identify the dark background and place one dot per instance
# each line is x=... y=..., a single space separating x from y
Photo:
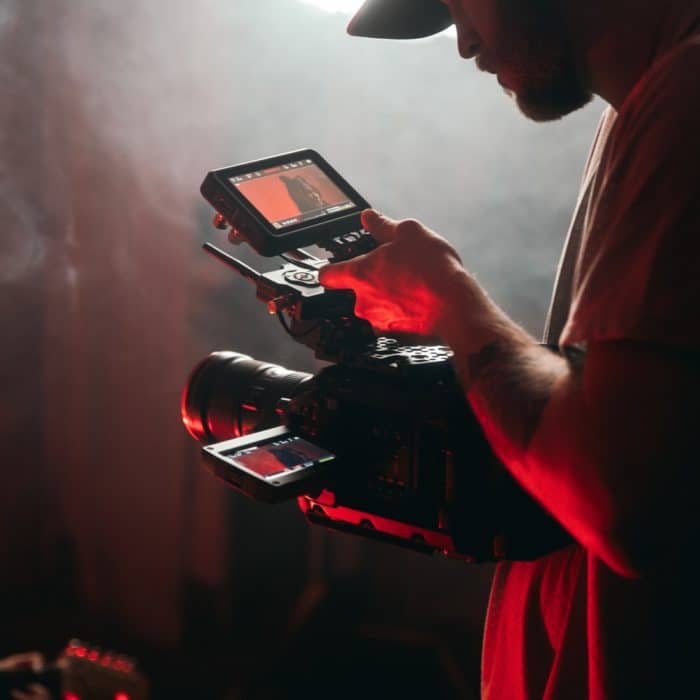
x=110 y=115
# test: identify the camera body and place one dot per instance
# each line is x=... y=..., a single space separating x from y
x=381 y=443
x=412 y=459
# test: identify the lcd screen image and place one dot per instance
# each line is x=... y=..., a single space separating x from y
x=292 y=193
x=280 y=456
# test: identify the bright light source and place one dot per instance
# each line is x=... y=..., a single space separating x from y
x=346 y=6
x=350 y=7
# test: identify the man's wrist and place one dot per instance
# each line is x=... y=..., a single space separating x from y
x=470 y=320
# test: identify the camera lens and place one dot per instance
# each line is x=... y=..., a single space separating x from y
x=229 y=394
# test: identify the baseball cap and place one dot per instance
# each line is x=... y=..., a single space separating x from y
x=400 y=19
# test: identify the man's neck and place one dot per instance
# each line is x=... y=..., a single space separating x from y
x=620 y=39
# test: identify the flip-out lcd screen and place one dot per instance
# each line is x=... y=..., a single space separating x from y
x=271 y=459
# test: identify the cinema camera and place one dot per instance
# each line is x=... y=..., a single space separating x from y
x=381 y=442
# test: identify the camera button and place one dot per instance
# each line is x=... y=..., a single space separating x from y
x=306 y=278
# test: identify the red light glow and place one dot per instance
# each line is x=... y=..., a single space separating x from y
x=122 y=665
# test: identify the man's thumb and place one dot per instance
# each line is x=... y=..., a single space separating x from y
x=381 y=227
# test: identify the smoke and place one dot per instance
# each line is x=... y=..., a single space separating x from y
x=111 y=114
x=140 y=76
x=168 y=91
x=22 y=248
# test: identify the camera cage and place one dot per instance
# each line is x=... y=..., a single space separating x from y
x=483 y=526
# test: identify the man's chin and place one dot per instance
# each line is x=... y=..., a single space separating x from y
x=549 y=105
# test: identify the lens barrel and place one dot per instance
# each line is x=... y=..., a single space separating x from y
x=230 y=394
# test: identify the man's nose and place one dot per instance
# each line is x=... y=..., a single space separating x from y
x=467 y=42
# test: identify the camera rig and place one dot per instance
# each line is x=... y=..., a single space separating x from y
x=382 y=442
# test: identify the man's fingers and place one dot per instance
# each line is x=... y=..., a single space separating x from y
x=35 y=691
x=335 y=276
x=33 y=660
x=343 y=275
x=382 y=228
x=17 y=694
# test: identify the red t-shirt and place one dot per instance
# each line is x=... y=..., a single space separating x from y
x=566 y=626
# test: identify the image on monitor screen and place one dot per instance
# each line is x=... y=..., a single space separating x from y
x=280 y=456
x=292 y=193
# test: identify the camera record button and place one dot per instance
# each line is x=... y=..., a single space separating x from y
x=306 y=278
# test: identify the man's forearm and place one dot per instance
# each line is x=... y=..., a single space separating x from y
x=507 y=375
x=606 y=446
x=509 y=382
x=531 y=405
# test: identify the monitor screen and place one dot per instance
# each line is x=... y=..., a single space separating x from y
x=292 y=193
x=274 y=458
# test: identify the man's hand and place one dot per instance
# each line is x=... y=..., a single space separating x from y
x=413 y=282
x=34 y=691
x=30 y=660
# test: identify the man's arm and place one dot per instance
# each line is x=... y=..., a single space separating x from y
x=606 y=447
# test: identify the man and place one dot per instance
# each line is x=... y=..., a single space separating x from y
x=302 y=193
x=602 y=434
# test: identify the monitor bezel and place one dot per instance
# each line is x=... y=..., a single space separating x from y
x=242 y=214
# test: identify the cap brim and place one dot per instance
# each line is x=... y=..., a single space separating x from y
x=400 y=19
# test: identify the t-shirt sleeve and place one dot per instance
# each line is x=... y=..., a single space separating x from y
x=638 y=273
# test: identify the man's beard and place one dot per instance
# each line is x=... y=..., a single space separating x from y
x=549 y=85
x=561 y=95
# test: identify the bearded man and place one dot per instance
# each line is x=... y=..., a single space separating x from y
x=603 y=433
